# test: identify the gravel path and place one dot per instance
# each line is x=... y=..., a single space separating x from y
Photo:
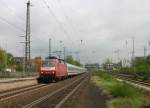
x=88 y=96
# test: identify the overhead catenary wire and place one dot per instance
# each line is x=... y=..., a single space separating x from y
x=66 y=17
x=70 y=24
x=11 y=9
x=13 y=25
x=75 y=31
x=60 y=24
x=50 y=33
x=8 y=22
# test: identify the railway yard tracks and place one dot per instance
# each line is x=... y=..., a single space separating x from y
x=132 y=79
x=43 y=95
x=57 y=98
x=13 y=92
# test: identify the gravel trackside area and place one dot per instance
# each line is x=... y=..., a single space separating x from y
x=17 y=84
x=88 y=96
x=25 y=98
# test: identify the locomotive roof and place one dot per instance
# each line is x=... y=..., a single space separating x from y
x=53 y=57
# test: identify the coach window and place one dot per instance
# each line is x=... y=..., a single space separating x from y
x=62 y=62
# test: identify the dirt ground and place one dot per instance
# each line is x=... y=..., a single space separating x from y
x=88 y=96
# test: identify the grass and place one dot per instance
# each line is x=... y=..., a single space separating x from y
x=124 y=95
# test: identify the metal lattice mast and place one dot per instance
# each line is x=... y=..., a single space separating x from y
x=49 y=47
x=27 y=38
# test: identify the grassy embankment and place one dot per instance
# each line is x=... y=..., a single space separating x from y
x=123 y=95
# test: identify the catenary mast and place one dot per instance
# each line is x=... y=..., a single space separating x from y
x=27 y=39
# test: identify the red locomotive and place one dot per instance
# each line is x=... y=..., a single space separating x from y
x=56 y=69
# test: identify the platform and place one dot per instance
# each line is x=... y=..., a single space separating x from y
x=9 y=80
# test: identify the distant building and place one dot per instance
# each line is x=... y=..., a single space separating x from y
x=108 y=66
x=140 y=58
x=94 y=66
x=18 y=60
x=37 y=60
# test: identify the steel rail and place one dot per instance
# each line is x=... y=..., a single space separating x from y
x=69 y=95
x=134 y=81
x=32 y=104
x=16 y=92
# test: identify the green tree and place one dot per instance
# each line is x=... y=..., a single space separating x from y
x=71 y=60
x=19 y=67
x=148 y=59
x=108 y=61
x=10 y=60
x=2 y=59
x=139 y=66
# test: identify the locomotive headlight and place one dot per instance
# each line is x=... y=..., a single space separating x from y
x=53 y=72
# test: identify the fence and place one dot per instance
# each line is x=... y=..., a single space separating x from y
x=17 y=74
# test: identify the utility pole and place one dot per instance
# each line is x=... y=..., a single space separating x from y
x=64 y=53
x=118 y=55
x=144 y=52
x=133 y=55
x=6 y=55
x=27 y=39
x=50 y=47
x=59 y=53
x=79 y=54
x=61 y=49
x=133 y=52
x=126 y=57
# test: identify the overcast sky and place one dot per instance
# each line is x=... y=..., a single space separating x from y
x=104 y=26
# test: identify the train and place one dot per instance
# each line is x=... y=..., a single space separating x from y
x=55 y=69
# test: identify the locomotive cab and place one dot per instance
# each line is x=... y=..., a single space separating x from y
x=48 y=68
x=47 y=71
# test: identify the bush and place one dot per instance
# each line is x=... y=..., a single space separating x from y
x=125 y=95
x=104 y=75
x=140 y=71
x=19 y=67
x=122 y=90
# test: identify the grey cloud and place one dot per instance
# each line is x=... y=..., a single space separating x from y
x=103 y=25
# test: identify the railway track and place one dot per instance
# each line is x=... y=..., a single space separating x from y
x=57 y=98
x=38 y=95
x=131 y=79
x=9 y=80
x=9 y=93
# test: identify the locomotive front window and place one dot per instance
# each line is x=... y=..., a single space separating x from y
x=48 y=64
